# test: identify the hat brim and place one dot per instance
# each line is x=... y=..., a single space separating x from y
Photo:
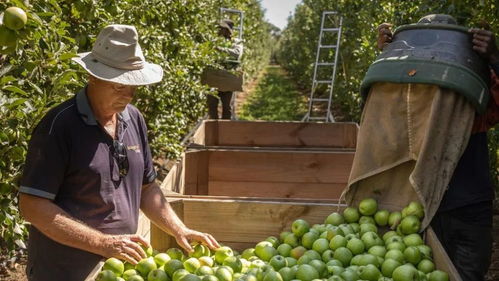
x=149 y=74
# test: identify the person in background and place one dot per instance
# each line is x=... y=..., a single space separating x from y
x=234 y=54
x=463 y=222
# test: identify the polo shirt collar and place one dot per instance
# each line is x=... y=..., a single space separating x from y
x=86 y=112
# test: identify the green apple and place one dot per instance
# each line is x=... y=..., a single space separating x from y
x=369 y=259
x=307 y=272
x=388 y=266
x=356 y=246
x=351 y=214
x=278 y=262
x=224 y=273
x=14 y=18
x=297 y=252
x=338 y=241
x=208 y=261
x=368 y=207
x=272 y=276
x=335 y=269
x=224 y=252
x=369 y=272
x=190 y=277
x=200 y=250
x=175 y=254
x=106 y=275
x=192 y=264
x=334 y=219
x=284 y=250
x=304 y=260
x=146 y=265
x=234 y=263
x=335 y=278
x=115 y=265
x=250 y=252
x=425 y=251
x=204 y=270
x=148 y=250
x=173 y=265
x=320 y=245
x=413 y=240
x=396 y=246
x=283 y=235
x=410 y=224
x=350 y=275
x=179 y=274
x=320 y=266
x=135 y=278
x=395 y=255
x=355 y=226
x=344 y=255
x=367 y=220
x=157 y=275
x=257 y=264
x=381 y=217
x=389 y=234
x=346 y=229
x=313 y=255
x=367 y=227
x=161 y=258
x=405 y=273
x=371 y=239
x=327 y=255
x=291 y=261
x=319 y=228
x=287 y=273
x=412 y=255
x=209 y=278
x=291 y=240
x=394 y=219
x=266 y=252
x=300 y=227
x=129 y=273
x=332 y=231
x=438 y=275
x=274 y=240
x=377 y=250
x=308 y=239
x=426 y=266
x=415 y=209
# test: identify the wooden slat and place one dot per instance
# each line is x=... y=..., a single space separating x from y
x=159 y=239
x=199 y=135
x=440 y=257
x=276 y=190
x=280 y=134
x=291 y=167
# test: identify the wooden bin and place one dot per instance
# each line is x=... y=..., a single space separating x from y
x=261 y=173
x=241 y=224
x=264 y=134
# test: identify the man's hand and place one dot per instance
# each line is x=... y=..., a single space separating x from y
x=384 y=35
x=124 y=247
x=186 y=235
x=484 y=43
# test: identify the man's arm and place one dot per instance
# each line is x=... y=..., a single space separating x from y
x=158 y=210
x=59 y=226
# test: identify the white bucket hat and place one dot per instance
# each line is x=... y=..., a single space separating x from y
x=117 y=57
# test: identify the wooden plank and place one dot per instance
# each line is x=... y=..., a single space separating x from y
x=190 y=173
x=276 y=190
x=159 y=239
x=291 y=167
x=282 y=134
x=249 y=221
x=440 y=257
x=199 y=135
x=174 y=180
x=203 y=171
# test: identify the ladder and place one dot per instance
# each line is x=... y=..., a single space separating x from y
x=314 y=100
x=239 y=28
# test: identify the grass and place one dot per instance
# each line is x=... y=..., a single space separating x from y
x=275 y=98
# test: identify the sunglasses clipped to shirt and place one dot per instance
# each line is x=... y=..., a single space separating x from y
x=118 y=151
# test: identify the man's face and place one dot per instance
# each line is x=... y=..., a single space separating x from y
x=224 y=32
x=115 y=96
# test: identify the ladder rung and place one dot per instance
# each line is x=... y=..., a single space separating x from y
x=328 y=46
x=323 y=81
x=317 y=118
x=331 y=29
x=325 y=63
x=315 y=99
x=329 y=13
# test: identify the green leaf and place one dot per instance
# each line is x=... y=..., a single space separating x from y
x=15 y=89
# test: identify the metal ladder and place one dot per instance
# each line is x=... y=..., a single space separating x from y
x=239 y=28
x=328 y=117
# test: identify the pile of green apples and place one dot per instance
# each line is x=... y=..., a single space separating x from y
x=361 y=243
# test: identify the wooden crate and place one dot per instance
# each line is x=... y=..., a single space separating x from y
x=261 y=173
x=263 y=134
x=241 y=224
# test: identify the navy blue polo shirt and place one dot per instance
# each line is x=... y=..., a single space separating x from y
x=70 y=162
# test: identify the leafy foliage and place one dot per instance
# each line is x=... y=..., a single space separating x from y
x=358 y=45
x=179 y=35
x=275 y=98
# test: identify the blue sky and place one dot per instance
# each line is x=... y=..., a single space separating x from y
x=278 y=11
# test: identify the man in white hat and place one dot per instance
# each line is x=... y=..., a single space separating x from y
x=89 y=169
